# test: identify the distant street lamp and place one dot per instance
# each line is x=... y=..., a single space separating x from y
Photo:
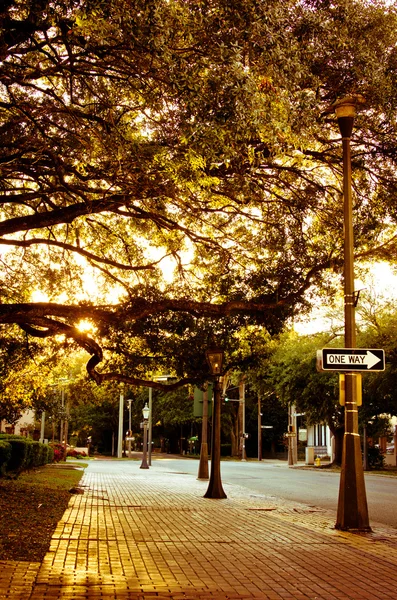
x=145 y=412
x=352 y=504
x=150 y=426
x=241 y=390
x=129 y=427
x=42 y=427
x=215 y=490
x=121 y=415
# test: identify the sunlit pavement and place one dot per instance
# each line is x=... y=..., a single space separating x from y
x=140 y=534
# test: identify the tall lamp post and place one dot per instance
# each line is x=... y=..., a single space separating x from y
x=215 y=490
x=150 y=426
x=121 y=414
x=145 y=412
x=241 y=393
x=203 y=463
x=352 y=504
x=129 y=427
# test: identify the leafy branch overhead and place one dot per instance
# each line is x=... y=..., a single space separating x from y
x=139 y=135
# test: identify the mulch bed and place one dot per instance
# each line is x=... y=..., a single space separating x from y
x=28 y=517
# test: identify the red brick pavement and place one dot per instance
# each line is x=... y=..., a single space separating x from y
x=148 y=534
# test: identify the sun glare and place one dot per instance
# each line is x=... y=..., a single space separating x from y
x=86 y=326
x=39 y=296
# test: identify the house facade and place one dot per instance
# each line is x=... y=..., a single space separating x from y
x=22 y=426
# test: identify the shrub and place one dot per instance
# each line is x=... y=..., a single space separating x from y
x=45 y=452
x=35 y=454
x=376 y=459
x=25 y=453
x=50 y=454
x=59 y=451
x=75 y=454
x=20 y=453
x=5 y=455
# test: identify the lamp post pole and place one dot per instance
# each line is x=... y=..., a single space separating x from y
x=150 y=425
x=145 y=412
x=259 y=429
x=62 y=419
x=121 y=414
x=203 y=464
x=352 y=504
x=241 y=390
x=66 y=429
x=215 y=489
x=42 y=427
x=129 y=427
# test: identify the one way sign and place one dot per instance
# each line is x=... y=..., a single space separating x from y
x=352 y=359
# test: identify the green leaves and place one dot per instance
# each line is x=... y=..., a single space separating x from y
x=135 y=132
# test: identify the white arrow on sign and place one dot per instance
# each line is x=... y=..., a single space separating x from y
x=372 y=360
x=369 y=359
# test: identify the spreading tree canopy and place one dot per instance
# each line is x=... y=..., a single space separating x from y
x=135 y=132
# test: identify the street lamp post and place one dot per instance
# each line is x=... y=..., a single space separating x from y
x=259 y=429
x=150 y=426
x=215 y=489
x=61 y=438
x=241 y=391
x=352 y=504
x=42 y=427
x=203 y=463
x=121 y=414
x=129 y=427
x=145 y=412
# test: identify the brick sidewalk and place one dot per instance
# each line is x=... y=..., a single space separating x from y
x=137 y=534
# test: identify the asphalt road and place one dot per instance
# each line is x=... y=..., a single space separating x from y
x=308 y=486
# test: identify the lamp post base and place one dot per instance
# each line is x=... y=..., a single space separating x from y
x=352 y=511
x=203 y=466
x=144 y=464
x=215 y=491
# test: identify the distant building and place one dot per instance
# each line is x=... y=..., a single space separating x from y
x=319 y=437
x=22 y=426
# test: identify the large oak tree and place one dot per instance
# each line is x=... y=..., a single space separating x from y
x=198 y=131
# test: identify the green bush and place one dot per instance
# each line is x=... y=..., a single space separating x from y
x=20 y=454
x=5 y=455
x=25 y=453
x=35 y=454
x=376 y=459
x=45 y=449
x=50 y=454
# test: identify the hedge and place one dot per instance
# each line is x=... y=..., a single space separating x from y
x=5 y=455
x=18 y=453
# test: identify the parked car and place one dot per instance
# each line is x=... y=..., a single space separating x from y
x=390 y=449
